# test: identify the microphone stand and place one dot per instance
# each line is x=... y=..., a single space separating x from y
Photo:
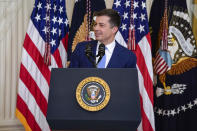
x=94 y=63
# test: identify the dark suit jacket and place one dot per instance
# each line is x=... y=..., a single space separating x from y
x=121 y=57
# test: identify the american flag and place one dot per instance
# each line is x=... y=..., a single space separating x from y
x=48 y=24
x=134 y=19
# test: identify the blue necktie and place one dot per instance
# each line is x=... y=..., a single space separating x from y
x=101 y=64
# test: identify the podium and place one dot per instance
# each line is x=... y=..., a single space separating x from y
x=122 y=112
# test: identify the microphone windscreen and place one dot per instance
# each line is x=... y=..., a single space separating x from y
x=88 y=50
x=101 y=50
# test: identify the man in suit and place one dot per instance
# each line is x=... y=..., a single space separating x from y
x=116 y=56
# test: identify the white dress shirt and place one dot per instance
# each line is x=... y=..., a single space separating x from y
x=109 y=48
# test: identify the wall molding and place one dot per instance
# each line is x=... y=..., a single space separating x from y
x=11 y=125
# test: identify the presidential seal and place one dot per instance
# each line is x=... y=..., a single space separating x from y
x=93 y=93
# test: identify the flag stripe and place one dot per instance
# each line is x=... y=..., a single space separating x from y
x=36 y=38
x=143 y=68
x=33 y=89
x=157 y=60
x=149 y=41
x=63 y=53
x=23 y=108
x=53 y=63
x=145 y=48
x=140 y=128
x=65 y=42
x=160 y=65
x=36 y=55
x=146 y=125
x=57 y=58
x=33 y=107
x=163 y=70
x=35 y=73
x=146 y=103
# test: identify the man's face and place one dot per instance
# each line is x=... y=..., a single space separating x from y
x=103 y=30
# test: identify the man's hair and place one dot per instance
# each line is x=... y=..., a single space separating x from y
x=112 y=14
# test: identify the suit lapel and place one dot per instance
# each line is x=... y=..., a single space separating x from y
x=114 y=57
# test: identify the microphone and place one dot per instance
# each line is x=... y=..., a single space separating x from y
x=88 y=50
x=89 y=54
x=101 y=52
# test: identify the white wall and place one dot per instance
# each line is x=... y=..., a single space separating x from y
x=14 y=18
